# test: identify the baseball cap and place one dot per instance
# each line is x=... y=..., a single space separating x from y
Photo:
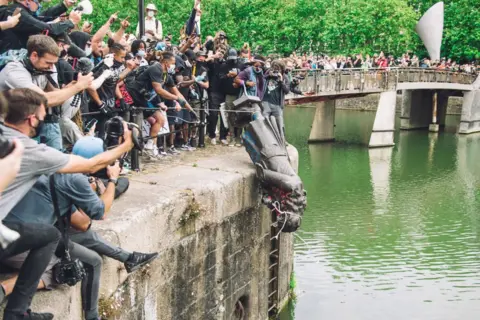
x=88 y=147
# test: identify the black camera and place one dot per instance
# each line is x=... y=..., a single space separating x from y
x=69 y=272
x=274 y=75
x=6 y=146
x=297 y=79
x=114 y=131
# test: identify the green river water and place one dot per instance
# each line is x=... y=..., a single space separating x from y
x=388 y=233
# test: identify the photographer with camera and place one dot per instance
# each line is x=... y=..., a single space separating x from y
x=294 y=81
x=66 y=193
x=277 y=86
x=36 y=73
x=25 y=116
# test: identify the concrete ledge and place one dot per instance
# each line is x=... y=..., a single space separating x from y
x=206 y=264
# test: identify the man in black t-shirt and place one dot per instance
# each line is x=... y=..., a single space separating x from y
x=151 y=85
x=103 y=98
x=183 y=77
x=197 y=84
x=228 y=72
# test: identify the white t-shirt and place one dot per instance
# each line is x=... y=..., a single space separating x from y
x=151 y=24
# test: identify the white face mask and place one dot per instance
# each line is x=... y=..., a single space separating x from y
x=171 y=69
x=151 y=14
x=88 y=51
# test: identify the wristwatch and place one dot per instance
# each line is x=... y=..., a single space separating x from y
x=115 y=181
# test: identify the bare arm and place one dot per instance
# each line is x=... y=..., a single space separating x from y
x=102 y=32
x=58 y=97
x=80 y=220
x=204 y=84
x=162 y=92
x=94 y=95
x=107 y=197
x=120 y=32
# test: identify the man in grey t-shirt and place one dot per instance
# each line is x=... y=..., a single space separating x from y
x=24 y=118
x=32 y=73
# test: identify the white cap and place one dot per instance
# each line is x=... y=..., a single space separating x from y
x=151 y=6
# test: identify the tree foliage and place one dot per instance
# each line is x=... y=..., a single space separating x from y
x=319 y=26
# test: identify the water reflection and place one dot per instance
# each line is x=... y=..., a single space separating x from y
x=388 y=234
x=380 y=165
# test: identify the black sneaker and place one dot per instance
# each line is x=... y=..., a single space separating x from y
x=29 y=315
x=138 y=260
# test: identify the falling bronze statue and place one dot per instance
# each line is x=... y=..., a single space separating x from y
x=283 y=190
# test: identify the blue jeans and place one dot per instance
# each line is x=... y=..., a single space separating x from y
x=51 y=135
x=273 y=110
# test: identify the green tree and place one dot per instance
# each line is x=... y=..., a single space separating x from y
x=321 y=26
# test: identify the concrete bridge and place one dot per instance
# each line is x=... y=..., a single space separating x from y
x=425 y=94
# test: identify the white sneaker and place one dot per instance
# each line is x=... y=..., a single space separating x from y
x=150 y=153
x=213 y=141
x=7 y=236
x=125 y=171
x=224 y=142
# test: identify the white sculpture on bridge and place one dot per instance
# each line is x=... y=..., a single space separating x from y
x=430 y=30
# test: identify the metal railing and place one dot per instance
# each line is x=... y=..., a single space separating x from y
x=345 y=81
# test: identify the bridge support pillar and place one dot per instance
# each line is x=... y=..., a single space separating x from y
x=384 y=125
x=470 y=120
x=323 y=127
x=416 y=109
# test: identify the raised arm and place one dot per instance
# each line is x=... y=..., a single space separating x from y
x=102 y=32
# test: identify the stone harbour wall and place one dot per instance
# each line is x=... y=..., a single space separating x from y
x=206 y=220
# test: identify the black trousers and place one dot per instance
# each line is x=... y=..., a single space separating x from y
x=41 y=240
x=216 y=99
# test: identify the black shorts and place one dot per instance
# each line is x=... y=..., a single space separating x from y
x=174 y=117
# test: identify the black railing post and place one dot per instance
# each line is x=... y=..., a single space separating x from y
x=137 y=118
x=141 y=18
x=201 y=131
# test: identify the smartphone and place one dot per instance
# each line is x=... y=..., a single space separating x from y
x=90 y=124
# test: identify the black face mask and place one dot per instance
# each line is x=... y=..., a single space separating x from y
x=232 y=61
x=34 y=72
x=63 y=53
x=38 y=128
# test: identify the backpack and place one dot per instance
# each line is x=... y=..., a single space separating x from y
x=11 y=56
x=133 y=76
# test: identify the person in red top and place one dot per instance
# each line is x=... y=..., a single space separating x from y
x=382 y=62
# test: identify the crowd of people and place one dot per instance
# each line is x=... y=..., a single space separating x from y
x=381 y=61
x=74 y=103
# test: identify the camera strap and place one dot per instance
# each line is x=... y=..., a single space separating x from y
x=64 y=222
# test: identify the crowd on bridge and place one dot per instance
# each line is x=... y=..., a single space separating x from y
x=380 y=61
x=77 y=105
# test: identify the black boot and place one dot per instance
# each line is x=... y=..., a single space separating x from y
x=29 y=315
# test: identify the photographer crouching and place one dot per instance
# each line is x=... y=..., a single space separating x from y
x=25 y=116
